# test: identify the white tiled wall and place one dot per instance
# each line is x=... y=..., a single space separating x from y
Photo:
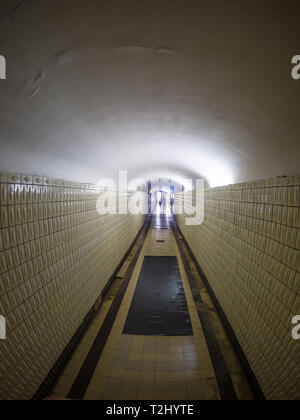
x=248 y=247
x=56 y=255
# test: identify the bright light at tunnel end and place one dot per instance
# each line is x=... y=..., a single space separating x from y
x=220 y=182
x=218 y=175
x=131 y=195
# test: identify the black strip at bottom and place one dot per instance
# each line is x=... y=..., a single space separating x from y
x=159 y=306
x=223 y=377
x=87 y=370
x=54 y=374
x=248 y=372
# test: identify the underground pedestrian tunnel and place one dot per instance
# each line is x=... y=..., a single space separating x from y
x=149 y=203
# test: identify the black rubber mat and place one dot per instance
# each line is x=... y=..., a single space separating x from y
x=159 y=304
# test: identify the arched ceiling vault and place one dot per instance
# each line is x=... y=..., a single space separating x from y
x=159 y=88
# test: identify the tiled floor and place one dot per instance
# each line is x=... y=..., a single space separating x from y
x=147 y=368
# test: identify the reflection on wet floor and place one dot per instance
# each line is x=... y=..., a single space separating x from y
x=161 y=221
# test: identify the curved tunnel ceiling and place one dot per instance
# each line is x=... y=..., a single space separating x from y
x=160 y=88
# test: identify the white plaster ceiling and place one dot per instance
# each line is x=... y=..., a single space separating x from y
x=165 y=88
